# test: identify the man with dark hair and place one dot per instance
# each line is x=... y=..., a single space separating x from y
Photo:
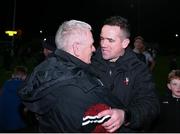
x=49 y=45
x=127 y=77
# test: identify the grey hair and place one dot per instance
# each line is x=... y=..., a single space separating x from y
x=69 y=29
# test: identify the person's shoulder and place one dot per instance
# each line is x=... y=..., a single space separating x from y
x=47 y=63
x=11 y=82
x=134 y=60
x=166 y=97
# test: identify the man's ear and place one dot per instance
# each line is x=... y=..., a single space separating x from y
x=76 y=49
x=125 y=43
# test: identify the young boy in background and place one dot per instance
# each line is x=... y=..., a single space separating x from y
x=169 y=119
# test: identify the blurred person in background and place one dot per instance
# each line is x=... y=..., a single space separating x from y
x=142 y=53
x=169 y=119
x=150 y=61
x=138 y=47
x=11 y=119
x=49 y=46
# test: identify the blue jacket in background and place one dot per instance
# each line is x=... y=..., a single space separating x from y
x=10 y=118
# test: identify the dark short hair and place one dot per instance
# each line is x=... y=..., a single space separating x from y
x=119 y=21
x=139 y=38
x=49 y=43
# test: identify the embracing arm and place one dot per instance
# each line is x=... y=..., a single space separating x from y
x=144 y=107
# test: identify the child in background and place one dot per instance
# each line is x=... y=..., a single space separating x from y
x=169 y=119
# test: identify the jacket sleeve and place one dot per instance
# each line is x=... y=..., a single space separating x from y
x=70 y=108
x=144 y=107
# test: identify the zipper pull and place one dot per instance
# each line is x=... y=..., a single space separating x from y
x=126 y=81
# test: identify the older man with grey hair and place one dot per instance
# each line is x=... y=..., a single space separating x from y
x=61 y=89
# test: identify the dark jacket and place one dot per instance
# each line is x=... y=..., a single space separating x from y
x=141 y=57
x=130 y=81
x=169 y=119
x=60 y=90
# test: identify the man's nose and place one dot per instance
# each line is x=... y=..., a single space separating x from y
x=103 y=43
x=93 y=49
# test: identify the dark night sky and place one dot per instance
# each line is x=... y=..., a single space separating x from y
x=155 y=20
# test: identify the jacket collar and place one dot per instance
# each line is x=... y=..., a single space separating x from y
x=66 y=57
x=122 y=62
x=70 y=59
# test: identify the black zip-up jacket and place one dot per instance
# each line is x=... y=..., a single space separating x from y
x=60 y=90
x=169 y=119
x=131 y=81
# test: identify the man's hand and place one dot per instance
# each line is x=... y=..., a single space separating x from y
x=116 y=120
